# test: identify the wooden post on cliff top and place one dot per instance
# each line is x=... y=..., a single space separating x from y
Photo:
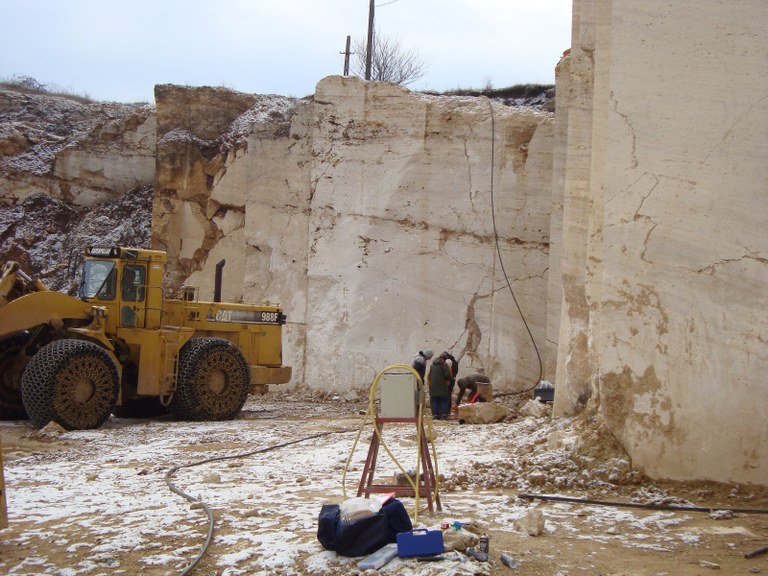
x=369 y=49
x=346 y=56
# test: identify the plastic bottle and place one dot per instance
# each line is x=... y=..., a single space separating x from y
x=507 y=560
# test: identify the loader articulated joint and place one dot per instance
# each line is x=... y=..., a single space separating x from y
x=99 y=315
x=99 y=311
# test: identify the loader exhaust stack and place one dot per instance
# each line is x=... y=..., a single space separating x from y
x=217 y=280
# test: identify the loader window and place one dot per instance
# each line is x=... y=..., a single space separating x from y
x=133 y=282
x=99 y=280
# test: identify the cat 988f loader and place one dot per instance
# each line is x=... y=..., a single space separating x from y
x=122 y=347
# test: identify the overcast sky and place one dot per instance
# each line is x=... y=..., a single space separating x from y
x=119 y=49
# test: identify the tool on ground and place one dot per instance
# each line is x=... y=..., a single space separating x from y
x=379 y=558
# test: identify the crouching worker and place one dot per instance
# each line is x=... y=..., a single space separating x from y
x=469 y=384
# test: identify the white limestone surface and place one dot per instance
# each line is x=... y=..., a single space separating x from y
x=676 y=244
x=402 y=249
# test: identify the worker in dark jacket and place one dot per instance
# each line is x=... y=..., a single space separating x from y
x=419 y=362
x=453 y=364
x=469 y=383
x=440 y=388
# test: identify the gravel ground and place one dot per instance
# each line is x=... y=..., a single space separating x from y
x=97 y=502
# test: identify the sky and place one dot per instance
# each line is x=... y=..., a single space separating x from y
x=116 y=50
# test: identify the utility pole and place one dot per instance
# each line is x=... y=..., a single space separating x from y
x=369 y=51
x=346 y=57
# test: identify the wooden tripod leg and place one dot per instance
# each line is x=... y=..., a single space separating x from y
x=429 y=474
x=366 y=480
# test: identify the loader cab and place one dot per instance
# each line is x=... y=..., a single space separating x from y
x=127 y=281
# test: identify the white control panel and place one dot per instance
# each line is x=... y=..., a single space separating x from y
x=398 y=395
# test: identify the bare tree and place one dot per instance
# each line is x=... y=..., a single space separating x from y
x=390 y=62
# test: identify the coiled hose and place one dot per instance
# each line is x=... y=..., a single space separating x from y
x=208 y=513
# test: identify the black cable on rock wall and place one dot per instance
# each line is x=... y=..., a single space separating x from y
x=498 y=251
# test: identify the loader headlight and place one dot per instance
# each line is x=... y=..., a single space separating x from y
x=102 y=251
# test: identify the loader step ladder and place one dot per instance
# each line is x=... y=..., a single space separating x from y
x=170 y=353
x=425 y=483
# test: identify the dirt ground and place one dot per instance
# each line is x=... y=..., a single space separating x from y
x=97 y=502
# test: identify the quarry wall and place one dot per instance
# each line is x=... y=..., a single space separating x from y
x=629 y=225
x=368 y=211
x=665 y=262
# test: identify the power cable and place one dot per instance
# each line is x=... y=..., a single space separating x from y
x=206 y=509
x=501 y=260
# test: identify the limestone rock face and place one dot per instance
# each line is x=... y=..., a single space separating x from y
x=234 y=185
x=46 y=236
x=665 y=248
x=402 y=246
x=207 y=180
x=372 y=214
x=82 y=154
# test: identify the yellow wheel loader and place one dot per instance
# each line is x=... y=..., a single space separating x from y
x=123 y=348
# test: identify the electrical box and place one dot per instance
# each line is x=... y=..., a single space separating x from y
x=399 y=395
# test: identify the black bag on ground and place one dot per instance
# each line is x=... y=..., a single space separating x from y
x=363 y=536
x=397 y=519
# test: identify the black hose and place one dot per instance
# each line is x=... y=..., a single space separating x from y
x=643 y=506
x=501 y=260
x=206 y=509
x=756 y=553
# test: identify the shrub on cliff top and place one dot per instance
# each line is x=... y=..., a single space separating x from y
x=29 y=85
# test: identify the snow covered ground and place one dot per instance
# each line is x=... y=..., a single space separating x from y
x=97 y=502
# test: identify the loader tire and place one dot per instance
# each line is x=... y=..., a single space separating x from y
x=213 y=382
x=72 y=382
x=12 y=363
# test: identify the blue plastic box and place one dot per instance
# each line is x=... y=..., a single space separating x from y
x=421 y=542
